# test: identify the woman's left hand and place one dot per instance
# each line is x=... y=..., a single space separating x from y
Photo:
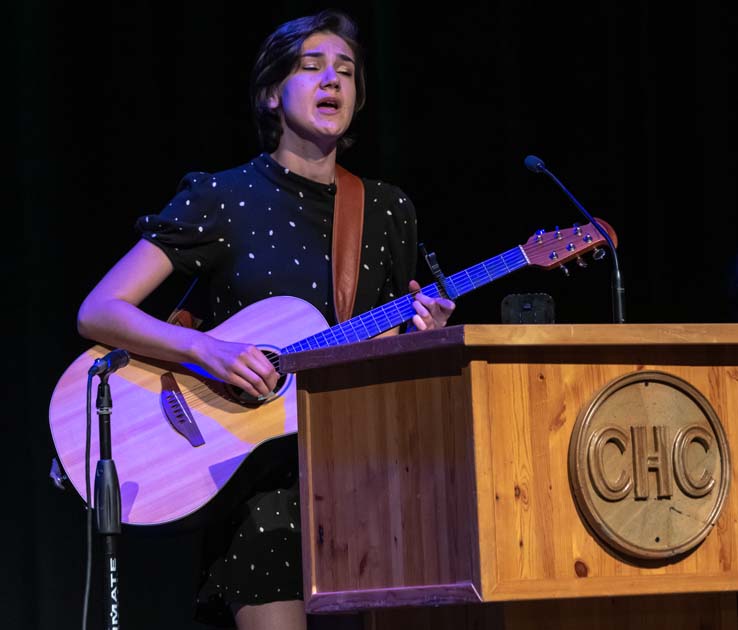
x=430 y=312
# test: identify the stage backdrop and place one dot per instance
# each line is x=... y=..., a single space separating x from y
x=631 y=105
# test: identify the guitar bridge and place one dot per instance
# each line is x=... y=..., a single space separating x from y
x=177 y=412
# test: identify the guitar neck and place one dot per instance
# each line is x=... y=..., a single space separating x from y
x=399 y=311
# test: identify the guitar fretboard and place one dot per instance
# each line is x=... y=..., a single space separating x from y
x=398 y=311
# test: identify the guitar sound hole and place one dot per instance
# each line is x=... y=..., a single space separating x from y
x=247 y=399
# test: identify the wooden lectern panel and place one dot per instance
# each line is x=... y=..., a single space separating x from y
x=391 y=488
x=533 y=542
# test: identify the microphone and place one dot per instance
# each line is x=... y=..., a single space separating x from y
x=112 y=361
x=535 y=164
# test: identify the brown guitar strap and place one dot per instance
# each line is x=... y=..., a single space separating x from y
x=348 y=227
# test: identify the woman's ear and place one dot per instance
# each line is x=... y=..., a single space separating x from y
x=273 y=100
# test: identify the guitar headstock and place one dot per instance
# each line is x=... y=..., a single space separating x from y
x=555 y=248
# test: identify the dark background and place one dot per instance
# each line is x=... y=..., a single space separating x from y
x=631 y=105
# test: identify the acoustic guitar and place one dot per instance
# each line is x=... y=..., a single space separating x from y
x=179 y=436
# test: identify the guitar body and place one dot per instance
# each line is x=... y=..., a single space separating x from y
x=163 y=477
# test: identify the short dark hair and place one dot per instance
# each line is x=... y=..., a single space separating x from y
x=278 y=57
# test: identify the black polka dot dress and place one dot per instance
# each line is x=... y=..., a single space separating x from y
x=254 y=232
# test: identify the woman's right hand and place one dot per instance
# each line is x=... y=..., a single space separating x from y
x=241 y=364
x=110 y=315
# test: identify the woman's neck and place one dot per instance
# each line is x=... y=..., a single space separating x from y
x=314 y=165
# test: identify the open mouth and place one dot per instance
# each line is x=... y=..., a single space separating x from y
x=330 y=104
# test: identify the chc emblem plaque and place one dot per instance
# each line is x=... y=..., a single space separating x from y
x=649 y=465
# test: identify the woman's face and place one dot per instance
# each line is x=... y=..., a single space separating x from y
x=317 y=99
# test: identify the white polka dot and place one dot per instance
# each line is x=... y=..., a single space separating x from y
x=198 y=263
x=242 y=203
x=261 y=529
x=315 y=286
x=271 y=232
x=366 y=266
x=214 y=184
x=297 y=262
x=199 y=228
x=251 y=256
x=235 y=556
x=292 y=223
x=187 y=203
x=327 y=257
x=389 y=212
x=252 y=567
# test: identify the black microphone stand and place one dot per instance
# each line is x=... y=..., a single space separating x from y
x=107 y=506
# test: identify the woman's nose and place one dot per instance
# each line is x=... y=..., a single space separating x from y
x=330 y=78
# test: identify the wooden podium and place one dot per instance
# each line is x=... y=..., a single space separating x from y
x=437 y=490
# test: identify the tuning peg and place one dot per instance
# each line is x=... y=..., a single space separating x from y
x=564 y=270
x=598 y=253
x=581 y=262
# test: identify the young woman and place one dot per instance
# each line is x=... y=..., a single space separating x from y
x=261 y=229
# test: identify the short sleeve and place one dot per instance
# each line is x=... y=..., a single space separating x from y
x=191 y=229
